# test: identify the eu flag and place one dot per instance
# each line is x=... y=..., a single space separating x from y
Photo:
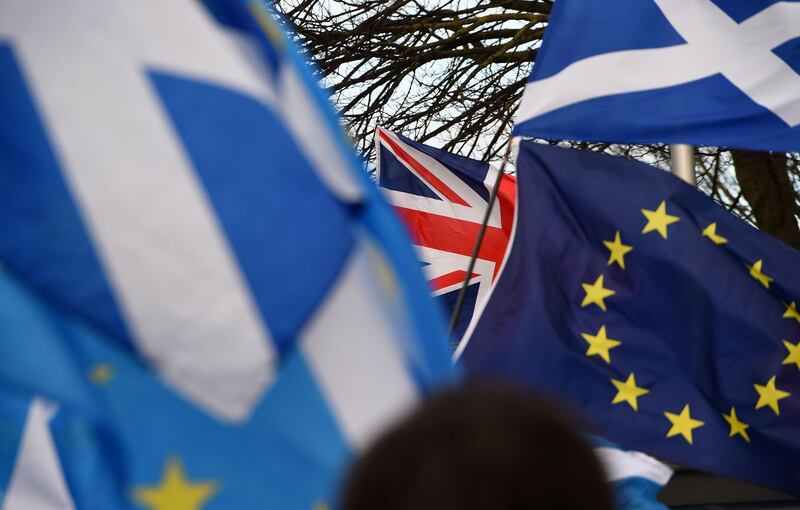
x=673 y=324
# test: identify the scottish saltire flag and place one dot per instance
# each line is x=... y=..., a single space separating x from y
x=635 y=478
x=442 y=198
x=705 y=72
x=204 y=302
x=673 y=324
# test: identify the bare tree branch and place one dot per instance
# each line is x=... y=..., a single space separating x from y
x=452 y=72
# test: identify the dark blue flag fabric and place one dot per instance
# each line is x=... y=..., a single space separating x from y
x=673 y=324
x=442 y=198
x=704 y=72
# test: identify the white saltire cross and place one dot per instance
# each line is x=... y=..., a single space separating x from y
x=715 y=44
x=164 y=253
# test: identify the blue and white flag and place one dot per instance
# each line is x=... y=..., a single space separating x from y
x=205 y=301
x=704 y=72
x=635 y=478
x=671 y=323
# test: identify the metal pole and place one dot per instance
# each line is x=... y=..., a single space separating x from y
x=682 y=162
x=478 y=241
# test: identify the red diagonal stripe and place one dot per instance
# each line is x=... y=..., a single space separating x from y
x=450 y=279
x=455 y=236
x=423 y=172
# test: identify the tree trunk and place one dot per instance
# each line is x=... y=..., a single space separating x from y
x=764 y=179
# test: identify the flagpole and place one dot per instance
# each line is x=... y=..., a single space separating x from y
x=681 y=159
x=479 y=240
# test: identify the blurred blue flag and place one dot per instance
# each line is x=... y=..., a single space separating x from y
x=635 y=478
x=673 y=324
x=704 y=72
x=204 y=302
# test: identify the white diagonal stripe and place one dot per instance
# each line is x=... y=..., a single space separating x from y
x=308 y=126
x=776 y=24
x=716 y=44
x=169 y=264
x=353 y=346
x=37 y=481
x=442 y=262
x=742 y=53
x=477 y=204
x=611 y=73
x=620 y=464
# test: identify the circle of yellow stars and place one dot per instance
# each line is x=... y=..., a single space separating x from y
x=175 y=491
x=681 y=423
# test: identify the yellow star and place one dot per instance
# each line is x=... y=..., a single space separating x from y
x=683 y=424
x=658 y=220
x=755 y=272
x=618 y=251
x=769 y=395
x=101 y=374
x=737 y=427
x=600 y=344
x=711 y=233
x=791 y=311
x=321 y=506
x=628 y=392
x=596 y=293
x=794 y=354
x=175 y=492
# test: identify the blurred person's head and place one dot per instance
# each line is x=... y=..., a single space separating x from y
x=479 y=447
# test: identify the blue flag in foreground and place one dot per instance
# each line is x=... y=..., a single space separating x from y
x=205 y=303
x=704 y=72
x=635 y=478
x=671 y=323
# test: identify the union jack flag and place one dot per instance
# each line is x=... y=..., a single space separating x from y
x=442 y=198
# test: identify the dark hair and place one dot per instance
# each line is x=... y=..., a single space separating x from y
x=479 y=447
